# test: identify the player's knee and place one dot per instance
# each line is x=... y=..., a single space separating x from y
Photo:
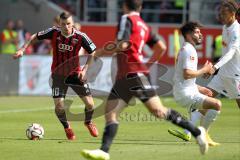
x=218 y=105
x=111 y=118
x=59 y=107
x=89 y=105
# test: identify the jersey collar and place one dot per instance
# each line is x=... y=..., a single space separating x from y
x=190 y=44
x=73 y=32
x=231 y=26
x=134 y=13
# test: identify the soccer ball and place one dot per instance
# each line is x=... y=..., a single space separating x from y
x=35 y=132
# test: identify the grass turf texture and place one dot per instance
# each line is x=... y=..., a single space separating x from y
x=140 y=135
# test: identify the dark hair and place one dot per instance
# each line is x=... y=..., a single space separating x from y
x=133 y=5
x=65 y=15
x=189 y=27
x=230 y=4
x=238 y=15
x=238 y=12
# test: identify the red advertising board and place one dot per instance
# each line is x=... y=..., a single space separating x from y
x=101 y=34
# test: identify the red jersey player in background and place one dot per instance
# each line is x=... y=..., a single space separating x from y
x=66 y=72
x=132 y=80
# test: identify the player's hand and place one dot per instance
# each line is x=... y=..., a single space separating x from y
x=149 y=65
x=212 y=71
x=18 y=54
x=82 y=75
x=206 y=75
x=207 y=67
x=206 y=91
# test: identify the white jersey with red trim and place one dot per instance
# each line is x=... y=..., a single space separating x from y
x=187 y=59
x=231 y=39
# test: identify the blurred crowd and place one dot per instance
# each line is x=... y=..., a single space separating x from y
x=14 y=35
x=68 y=5
x=164 y=11
x=154 y=11
x=96 y=10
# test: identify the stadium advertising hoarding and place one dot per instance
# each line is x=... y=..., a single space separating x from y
x=34 y=75
x=35 y=72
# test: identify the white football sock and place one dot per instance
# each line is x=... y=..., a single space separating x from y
x=209 y=117
x=195 y=116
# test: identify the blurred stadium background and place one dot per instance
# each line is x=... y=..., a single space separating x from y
x=25 y=94
x=98 y=18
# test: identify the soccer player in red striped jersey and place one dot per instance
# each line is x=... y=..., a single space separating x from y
x=132 y=80
x=66 y=71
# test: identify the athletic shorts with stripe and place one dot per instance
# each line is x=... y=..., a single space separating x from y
x=227 y=86
x=134 y=85
x=60 y=86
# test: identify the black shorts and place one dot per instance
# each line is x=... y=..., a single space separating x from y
x=134 y=85
x=60 y=86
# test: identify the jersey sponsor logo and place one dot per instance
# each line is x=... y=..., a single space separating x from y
x=192 y=58
x=75 y=41
x=65 y=47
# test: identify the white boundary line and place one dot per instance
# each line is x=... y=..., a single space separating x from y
x=35 y=110
x=51 y=108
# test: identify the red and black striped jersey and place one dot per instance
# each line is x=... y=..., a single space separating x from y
x=66 y=49
x=132 y=28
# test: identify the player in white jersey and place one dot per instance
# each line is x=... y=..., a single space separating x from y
x=227 y=81
x=186 y=92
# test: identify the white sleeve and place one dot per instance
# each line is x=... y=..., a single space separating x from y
x=189 y=60
x=227 y=57
x=234 y=39
x=123 y=27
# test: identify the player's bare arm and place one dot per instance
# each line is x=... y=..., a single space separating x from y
x=21 y=51
x=158 y=50
x=189 y=74
x=90 y=59
x=205 y=91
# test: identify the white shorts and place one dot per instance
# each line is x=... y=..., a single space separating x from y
x=190 y=101
x=229 y=87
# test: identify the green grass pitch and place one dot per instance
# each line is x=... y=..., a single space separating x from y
x=140 y=136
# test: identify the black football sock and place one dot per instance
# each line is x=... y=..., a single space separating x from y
x=108 y=136
x=177 y=119
x=88 y=115
x=62 y=117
